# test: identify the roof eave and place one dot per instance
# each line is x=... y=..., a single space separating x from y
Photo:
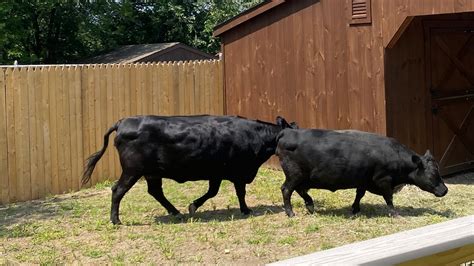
x=158 y=51
x=246 y=16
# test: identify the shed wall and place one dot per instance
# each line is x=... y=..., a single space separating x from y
x=302 y=61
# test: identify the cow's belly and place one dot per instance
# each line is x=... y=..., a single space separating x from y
x=333 y=184
x=183 y=171
x=335 y=180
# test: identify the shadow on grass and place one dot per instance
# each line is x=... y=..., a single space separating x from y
x=42 y=209
x=380 y=210
x=221 y=215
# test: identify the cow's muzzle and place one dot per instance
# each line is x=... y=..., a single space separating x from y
x=441 y=190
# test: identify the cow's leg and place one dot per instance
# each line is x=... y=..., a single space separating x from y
x=384 y=188
x=214 y=186
x=308 y=201
x=286 y=190
x=356 y=205
x=389 y=200
x=293 y=178
x=240 y=190
x=155 y=189
x=118 y=191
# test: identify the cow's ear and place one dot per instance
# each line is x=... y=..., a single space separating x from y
x=428 y=154
x=282 y=122
x=417 y=160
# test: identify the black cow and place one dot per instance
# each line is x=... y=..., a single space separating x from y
x=188 y=148
x=343 y=159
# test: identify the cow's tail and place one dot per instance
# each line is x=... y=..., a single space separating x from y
x=94 y=158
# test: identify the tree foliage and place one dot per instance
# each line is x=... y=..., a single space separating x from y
x=50 y=31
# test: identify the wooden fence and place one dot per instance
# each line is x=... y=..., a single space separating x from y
x=53 y=117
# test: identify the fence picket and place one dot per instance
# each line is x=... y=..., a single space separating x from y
x=4 y=191
x=72 y=132
x=74 y=136
x=65 y=148
x=148 y=89
x=36 y=187
x=155 y=89
x=112 y=97
x=85 y=112
x=10 y=107
x=53 y=92
x=79 y=93
x=126 y=73
x=60 y=122
x=45 y=129
x=165 y=99
x=94 y=129
x=103 y=105
x=22 y=136
x=40 y=178
x=189 y=86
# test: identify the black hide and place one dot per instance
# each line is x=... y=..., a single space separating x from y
x=187 y=148
x=344 y=159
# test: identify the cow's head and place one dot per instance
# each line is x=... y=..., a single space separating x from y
x=427 y=176
x=280 y=121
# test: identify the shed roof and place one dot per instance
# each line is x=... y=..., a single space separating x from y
x=246 y=16
x=136 y=52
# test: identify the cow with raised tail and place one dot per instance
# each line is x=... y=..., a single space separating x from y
x=188 y=148
x=345 y=159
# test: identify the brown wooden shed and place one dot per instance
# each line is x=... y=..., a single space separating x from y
x=402 y=68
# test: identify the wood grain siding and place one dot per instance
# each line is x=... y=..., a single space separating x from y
x=335 y=45
x=305 y=61
x=396 y=11
x=295 y=62
x=406 y=91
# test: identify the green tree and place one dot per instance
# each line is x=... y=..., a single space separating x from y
x=51 y=31
x=39 y=31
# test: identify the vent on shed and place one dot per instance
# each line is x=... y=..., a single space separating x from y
x=360 y=12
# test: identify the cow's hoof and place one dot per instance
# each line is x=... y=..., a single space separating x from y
x=290 y=213
x=394 y=215
x=310 y=208
x=116 y=222
x=355 y=211
x=192 y=208
x=246 y=211
x=177 y=217
x=354 y=215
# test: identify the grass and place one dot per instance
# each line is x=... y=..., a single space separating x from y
x=75 y=227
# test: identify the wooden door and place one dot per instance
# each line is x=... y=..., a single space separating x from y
x=450 y=78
